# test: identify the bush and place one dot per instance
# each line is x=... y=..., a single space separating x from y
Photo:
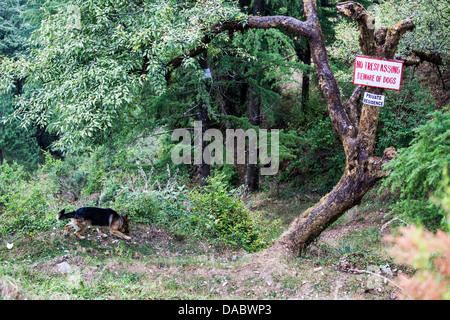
x=161 y=207
x=10 y=176
x=67 y=179
x=219 y=214
x=213 y=213
x=429 y=254
x=27 y=205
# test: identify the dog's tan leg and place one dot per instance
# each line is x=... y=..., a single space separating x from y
x=119 y=234
x=101 y=232
x=66 y=228
x=77 y=234
x=80 y=226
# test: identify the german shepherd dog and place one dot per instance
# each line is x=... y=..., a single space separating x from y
x=96 y=217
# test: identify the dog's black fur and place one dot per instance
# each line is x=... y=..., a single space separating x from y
x=96 y=217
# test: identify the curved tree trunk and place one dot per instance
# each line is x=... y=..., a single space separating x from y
x=356 y=130
x=347 y=193
x=357 y=134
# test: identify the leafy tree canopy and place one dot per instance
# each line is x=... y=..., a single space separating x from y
x=87 y=61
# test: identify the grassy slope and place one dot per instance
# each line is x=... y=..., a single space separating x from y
x=157 y=265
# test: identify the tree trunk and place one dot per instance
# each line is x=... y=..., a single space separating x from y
x=254 y=116
x=204 y=168
x=362 y=170
x=358 y=178
x=356 y=132
x=304 y=55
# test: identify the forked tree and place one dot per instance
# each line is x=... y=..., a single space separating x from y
x=354 y=125
x=94 y=74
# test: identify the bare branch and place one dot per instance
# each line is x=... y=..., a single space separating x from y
x=290 y=24
x=416 y=57
x=393 y=36
x=366 y=25
x=351 y=104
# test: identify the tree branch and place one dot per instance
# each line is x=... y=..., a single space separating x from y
x=290 y=24
x=351 y=104
x=393 y=36
x=417 y=57
x=366 y=25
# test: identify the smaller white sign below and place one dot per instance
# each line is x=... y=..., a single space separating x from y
x=373 y=99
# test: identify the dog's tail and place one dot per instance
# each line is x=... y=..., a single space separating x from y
x=61 y=215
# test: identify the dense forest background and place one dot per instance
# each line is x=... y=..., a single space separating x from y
x=89 y=98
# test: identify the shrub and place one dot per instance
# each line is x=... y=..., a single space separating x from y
x=67 y=179
x=429 y=254
x=417 y=172
x=214 y=214
x=29 y=208
x=219 y=214
x=160 y=207
x=10 y=176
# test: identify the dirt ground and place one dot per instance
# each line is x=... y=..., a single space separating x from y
x=193 y=269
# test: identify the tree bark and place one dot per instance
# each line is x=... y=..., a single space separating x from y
x=362 y=169
x=254 y=116
x=204 y=168
x=356 y=132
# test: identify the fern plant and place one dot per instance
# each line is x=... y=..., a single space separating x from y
x=417 y=172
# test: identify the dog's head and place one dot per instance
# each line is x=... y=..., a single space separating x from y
x=126 y=224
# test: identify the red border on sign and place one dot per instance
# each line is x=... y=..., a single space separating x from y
x=398 y=61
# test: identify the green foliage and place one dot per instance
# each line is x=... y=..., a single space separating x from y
x=417 y=172
x=320 y=156
x=214 y=214
x=86 y=66
x=16 y=142
x=26 y=205
x=67 y=179
x=14 y=29
x=10 y=177
x=404 y=110
x=159 y=207
x=219 y=214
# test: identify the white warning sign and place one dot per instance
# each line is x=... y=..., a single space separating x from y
x=373 y=99
x=378 y=73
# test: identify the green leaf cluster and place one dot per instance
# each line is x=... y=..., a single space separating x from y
x=417 y=172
